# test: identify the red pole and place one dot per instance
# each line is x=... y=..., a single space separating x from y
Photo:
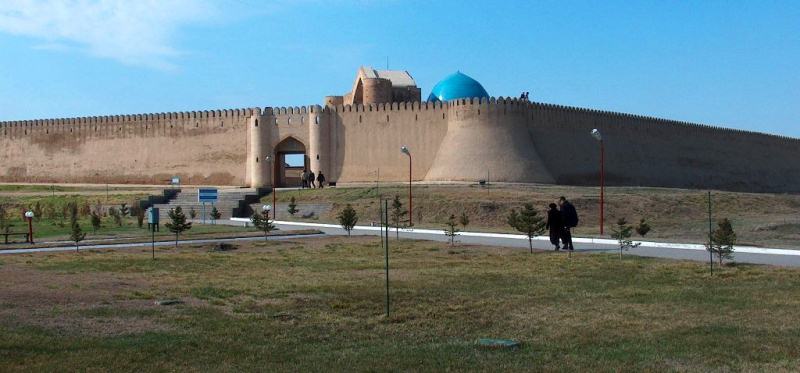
x=30 y=230
x=274 y=191
x=602 y=184
x=410 y=206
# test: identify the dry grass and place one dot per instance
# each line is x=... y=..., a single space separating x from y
x=317 y=304
x=676 y=214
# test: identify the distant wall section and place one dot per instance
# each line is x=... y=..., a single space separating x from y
x=646 y=151
x=207 y=147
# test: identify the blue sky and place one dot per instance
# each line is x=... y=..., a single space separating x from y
x=730 y=63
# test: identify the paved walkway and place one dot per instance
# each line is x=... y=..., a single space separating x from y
x=743 y=254
x=150 y=244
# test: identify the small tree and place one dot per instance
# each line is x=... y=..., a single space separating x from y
x=192 y=213
x=622 y=232
x=722 y=240
x=124 y=210
x=642 y=228
x=451 y=231
x=76 y=234
x=114 y=213
x=49 y=211
x=140 y=215
x=397 y=214
x=63 y=212
x=96 y=222
x=37 y=211
x=348 y=218
x=72 y=210
x=292 y=206
x=85 y=209
x=464 y=219
x=177 y=223
x=527 y=221
x=215 y=215
x=262 y=222
x=5 y=222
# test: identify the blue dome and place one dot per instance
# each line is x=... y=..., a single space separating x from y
x=457 y=86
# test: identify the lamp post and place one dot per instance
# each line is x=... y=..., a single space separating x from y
x=274 y=189
x=29 y=217
x=266 y=208
x=596 y=134
x=405 y=150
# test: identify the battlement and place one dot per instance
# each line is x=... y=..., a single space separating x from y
x=681 y=125
x=388 y=107
x=130 y=118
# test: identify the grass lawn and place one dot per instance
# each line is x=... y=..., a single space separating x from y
x=53 y=223
x=317 y=305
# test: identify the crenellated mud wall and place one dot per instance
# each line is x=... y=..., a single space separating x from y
x=463 y=140
x=646 y=151
x=206 y=147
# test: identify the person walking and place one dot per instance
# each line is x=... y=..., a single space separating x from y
x=555 y=224
x=304 y=179
x=570 y=218
x=311 y=180
x=320 y=179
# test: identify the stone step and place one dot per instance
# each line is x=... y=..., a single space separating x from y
x=228 y=201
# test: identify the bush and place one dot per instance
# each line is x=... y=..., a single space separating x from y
x=348 y=218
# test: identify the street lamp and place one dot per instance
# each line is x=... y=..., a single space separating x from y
x=29 y=216
x=598 y=137
x=404 y=149
x=274 y=190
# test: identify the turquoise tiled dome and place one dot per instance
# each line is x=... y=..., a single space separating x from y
x=457 y=86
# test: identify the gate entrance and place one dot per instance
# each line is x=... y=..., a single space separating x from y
x=291 y=160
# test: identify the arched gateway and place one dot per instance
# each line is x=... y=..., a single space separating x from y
x=288 y=169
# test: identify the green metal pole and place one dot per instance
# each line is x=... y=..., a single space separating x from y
x=710 y=251
x=386 y=251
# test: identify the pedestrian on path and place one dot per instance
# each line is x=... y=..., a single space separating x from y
x=570 y=217
x=321 y=179
x=555 y=223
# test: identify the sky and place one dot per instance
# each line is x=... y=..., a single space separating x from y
x=726 y=63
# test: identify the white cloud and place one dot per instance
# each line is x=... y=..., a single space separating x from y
x=134 y=32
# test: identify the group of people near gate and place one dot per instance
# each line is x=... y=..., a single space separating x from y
x=561 y=219
x=312 y=181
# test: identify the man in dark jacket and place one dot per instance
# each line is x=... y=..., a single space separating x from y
x=320 y=179
x=311 y=179
x=555 y=224
x=570 y=217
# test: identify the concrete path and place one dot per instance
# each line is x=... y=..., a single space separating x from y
x=743 y=254
x=157 y=244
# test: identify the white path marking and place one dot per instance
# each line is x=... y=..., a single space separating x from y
x=602 y=241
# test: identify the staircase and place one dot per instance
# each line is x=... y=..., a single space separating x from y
x=230 y=203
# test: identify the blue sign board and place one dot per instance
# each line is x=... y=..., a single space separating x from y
x=207 y=195
x=152 y=215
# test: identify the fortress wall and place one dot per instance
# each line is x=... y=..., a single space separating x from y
x=140 y=148
x=285 y=122
x=369 y=137
x=646 y=151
